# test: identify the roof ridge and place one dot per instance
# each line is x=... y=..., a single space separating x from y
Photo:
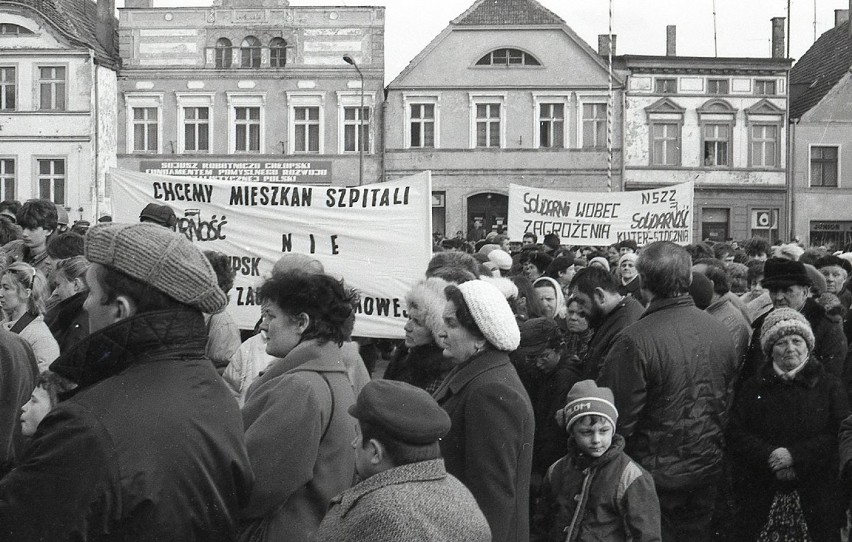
x=507 y=12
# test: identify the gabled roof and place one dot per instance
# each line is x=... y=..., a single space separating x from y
x=819 y=69
x=507 y=12
x=75 y=19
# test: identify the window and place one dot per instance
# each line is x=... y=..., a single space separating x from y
x=51 y=180
x=145 y=129
x=7 y=89
x=250 y=52
x=508 y=57
x=7 y=179
x=764 y=145
x=196 y=129
x=717 y=86
x=488 y=124
x=717 y=139
x=824 y=165
x=763 y=87
x=51 y=88
x=422 y=125
x=277 y=53
x=307 y=129
x=551 y=125
x=9 y=29
x=224 y=56
x=764 y=223
x=665 y=148
x=439 y=212
x=715 y=224
x=247 y=129
x=665 y=86
x=594 y=126
x=356 y=134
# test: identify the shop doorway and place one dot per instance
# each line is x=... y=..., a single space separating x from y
x=492 y=209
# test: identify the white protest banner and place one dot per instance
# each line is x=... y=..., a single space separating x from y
x=376 y=237
x=603 y=218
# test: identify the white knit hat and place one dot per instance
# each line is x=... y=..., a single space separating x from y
x=492 y=314
x=501 y=258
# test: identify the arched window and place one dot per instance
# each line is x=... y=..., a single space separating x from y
x=277 y=53
x=250 y=52
x=9 y=29
x=223 y=53
x=508 y=57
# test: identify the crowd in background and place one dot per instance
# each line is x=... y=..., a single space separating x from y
x=541 y=392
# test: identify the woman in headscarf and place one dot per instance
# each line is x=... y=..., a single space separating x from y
x=489 y=447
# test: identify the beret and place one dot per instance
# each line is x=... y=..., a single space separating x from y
x=405 y=412
x=501 y=258
x=536 y=333
x=156 y=256
x=492 y=314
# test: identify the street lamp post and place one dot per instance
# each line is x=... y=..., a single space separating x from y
x=349 y=60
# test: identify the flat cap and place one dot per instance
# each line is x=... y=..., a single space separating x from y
x=165 y=260
x=405 y=412
x=159 y=214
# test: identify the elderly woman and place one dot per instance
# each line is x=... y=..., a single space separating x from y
x=489 y=447
x=551 y=298
x=298 y=431
x=783 y=433
x=631 y=284
x=422 y=363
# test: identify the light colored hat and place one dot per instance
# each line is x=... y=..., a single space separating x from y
x=427 y=297
x=782 y=322
x=501 y=258
x=156 y=256
x=492 y=314
x=628 y=256
x=601 y=261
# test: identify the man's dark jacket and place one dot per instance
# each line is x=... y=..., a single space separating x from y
x=149 y=447
x=830 y=342
x=672 y=376
x=68 y=321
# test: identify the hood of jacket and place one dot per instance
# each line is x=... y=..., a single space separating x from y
x=142 y=337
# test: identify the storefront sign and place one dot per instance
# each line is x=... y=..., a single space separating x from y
x=377 y=237
x=270 y=171
x=603 y=218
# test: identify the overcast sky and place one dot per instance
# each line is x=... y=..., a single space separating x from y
x=743 y=26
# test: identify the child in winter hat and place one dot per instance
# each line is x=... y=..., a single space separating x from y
x=578 y=490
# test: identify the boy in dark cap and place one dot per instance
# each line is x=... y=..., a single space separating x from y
x=406 y=493
x=596 y=492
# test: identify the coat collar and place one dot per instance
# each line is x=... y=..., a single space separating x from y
x=582 y=461
x=306 y=356
x=462 y=374
x=659 y=304
x=146 y=336
x=807 y=377
x=423 y=471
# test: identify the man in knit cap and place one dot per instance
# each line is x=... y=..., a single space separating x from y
x=672 y=379
x=789 y=285
x=150 y=444
x=405 y=493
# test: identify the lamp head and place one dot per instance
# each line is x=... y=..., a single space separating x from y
x=348 y=59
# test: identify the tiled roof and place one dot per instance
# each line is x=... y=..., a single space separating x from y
x=820 y=68
x=507 y=12
x=77 y=19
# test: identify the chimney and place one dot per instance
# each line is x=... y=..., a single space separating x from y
x=604 y=44
x=778 y=37
x=671 y=40
x=840 y=17
x=105 y=27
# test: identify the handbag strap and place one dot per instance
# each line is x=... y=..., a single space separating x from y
x=22 y=322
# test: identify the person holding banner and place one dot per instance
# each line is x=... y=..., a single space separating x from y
x=298 y=432
x=489 y=447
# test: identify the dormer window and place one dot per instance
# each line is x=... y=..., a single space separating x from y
x=9 y=29
x=508 y=57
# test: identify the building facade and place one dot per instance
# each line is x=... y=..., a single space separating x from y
x=821 y=134
x=57 y=102
x=507 y=93
x=252 y=90
x=720 y=122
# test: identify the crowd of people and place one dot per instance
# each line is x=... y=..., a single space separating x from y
x=542 y=392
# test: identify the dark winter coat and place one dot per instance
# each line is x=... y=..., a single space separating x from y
x=149 y=447
x=625 y=313
x=830 y=345
x=615 y=496
x=68 y=321
x=18 y=372
x=633 y=289
x=672 y=373
x=802 y=415
x=548 y=396
x=423 y=366
x=489 y=447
